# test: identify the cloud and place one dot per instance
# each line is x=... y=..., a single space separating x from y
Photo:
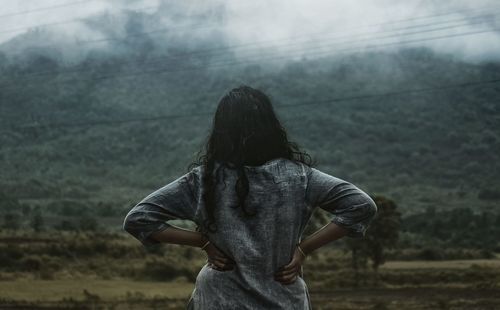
x=291 y=28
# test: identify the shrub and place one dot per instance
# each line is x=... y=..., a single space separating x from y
x=31 y=263
x=489 y=194
x=431 y=254
x=88 y=223
x=161 y=270
x=12 y=221
x=65 y=225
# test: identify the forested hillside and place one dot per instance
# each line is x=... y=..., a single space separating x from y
x=438 y=145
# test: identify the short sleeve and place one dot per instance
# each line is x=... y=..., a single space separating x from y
x=176 y=200
x=351 y=208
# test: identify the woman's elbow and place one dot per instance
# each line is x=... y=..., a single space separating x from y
x=126 y=225
x=130 y=222
x=372 y=208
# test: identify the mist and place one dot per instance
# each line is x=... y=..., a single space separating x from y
x=255 y=31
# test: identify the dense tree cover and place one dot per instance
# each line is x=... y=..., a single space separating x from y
x=421 y=148
x=429 y=231
x=461 y=227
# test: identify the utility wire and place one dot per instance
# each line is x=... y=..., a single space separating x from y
x=104 y=39
x=163 y=70
x=47 y=8
x=200 y=26
x=373 y=38
x=316 y=102
x=357 y=97
x=68 y=21
x=487 y=9
x=326 y=53
x=462 y=11
x=333 y=44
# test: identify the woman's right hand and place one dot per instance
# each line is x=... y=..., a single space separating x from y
x=217 y=259
x=288 y=274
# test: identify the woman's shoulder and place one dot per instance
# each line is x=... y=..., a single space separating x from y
x=285 y=169
x=280 y=165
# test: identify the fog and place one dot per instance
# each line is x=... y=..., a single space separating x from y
x=287 y=29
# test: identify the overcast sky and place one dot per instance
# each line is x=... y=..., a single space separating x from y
x=321 y=25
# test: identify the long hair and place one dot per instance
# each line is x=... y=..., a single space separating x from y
x=245 y=132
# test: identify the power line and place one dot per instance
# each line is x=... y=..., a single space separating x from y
x=174 y=57
x=226 y=48
x=333 y=44
x=47 y=8
x=109 y=122
x=316 y=102
x=397 y=93
x=65 y=22
x=331 y=100
x=466 y=11
x=247 y=62
x=202 y=26
x=104 y=39
x=152 y=32
x=278 y=57
x=198 y=26
x=308 y=36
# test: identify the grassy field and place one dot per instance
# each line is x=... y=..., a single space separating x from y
x=122 y=293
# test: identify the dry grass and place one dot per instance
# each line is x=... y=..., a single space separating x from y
x=54 y=290
x=447 y=264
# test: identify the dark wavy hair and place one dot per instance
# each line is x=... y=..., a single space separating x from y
x=245 y=132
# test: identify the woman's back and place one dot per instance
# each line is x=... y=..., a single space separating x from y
x=260 y=244
x=277 y=196
x=283 y=194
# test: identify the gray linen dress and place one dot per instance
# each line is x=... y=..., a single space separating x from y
x=284 y=193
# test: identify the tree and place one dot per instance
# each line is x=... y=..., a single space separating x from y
x=88 y=223
x=384 y=231
x=25 y=209
x=65 y=225
x=12 y=221
x=8 y=202
x=37 y=222
x=382 y=234
x=359 y=257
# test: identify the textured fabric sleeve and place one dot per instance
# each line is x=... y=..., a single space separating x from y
x=176 y=200
x=350 y=207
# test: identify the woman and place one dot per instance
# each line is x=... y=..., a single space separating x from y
x=251 y=193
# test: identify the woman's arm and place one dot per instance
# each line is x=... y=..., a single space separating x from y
x=181 y=236
x=352 y=211
x=177 y=235
x=323 y=236
x=288 y=273
x=176 y=200
x=351 y=208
